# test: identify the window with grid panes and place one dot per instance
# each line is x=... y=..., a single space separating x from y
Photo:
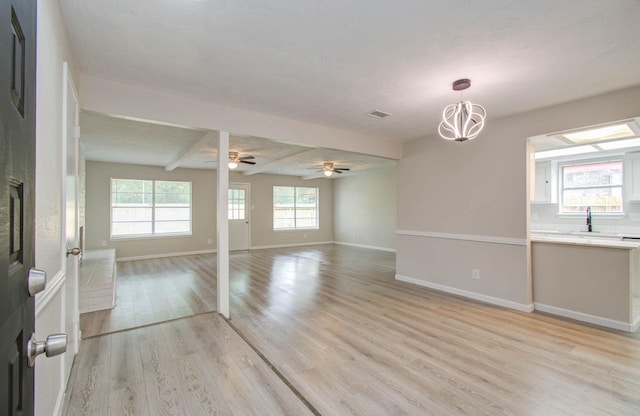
x=147 y=208
x=295 y=208
x=597 y=185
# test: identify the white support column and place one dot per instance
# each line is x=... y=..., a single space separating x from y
x=222 y=224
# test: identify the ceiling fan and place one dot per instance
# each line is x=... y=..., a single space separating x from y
x=235 y=159
x=329 y=170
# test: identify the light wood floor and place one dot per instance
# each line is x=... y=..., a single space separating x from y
x=352 y=340
x=152 y=291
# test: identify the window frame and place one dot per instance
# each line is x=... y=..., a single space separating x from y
x=592 y=161
x=295 y=209
x=153 y=207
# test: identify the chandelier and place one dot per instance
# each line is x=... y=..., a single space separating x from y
x=464 y=120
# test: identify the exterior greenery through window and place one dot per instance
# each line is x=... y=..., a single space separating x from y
x=150 y=208
x=295 y=207
x=597 y=185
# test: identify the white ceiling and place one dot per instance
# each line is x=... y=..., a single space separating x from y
x=330 y=62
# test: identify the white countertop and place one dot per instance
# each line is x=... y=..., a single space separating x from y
x=587 y=240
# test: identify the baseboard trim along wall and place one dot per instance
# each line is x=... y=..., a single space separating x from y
x=584 y=317
x=342 y=243
x=43 y=299
x=466 y=237
x=467 y=294
x=163 y=255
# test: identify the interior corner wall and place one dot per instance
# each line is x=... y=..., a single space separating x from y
x=365 y=209
x=463 y=206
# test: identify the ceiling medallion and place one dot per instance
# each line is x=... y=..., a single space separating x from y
x=464 y=120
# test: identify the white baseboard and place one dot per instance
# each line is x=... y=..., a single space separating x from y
x=342 y=243
x=291 y=245
x=163 y=255
x=584 y=317
x=468 y=294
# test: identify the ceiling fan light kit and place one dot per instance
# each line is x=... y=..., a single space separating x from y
x=328 y=169
x=464 y=120
x=235 y=160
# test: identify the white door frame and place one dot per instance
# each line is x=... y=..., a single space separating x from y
x=70 y=208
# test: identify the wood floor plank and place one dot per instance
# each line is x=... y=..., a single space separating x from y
x=203 y=393
x=125 y=363
x=130 y=400
x=351 y=339
x=161 y=380
x=90 y=391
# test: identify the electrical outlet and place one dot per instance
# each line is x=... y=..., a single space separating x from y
x=209 y=241
x=475 y=274
x=103 y=243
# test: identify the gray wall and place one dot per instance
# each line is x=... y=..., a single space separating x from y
x=365 y=209
x=98 y=176
x=584 y=279
x=471 y=198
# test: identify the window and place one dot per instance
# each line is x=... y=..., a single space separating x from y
x=597 y=185
x=150 y=208
x=236 y=204
x=294 y=208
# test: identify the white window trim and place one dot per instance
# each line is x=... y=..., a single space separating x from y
x=153 y=235
x=560 y=176
x=317 y=226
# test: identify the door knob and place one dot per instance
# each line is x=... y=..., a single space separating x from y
x=55 y=344
x=75 y=251
x=36 y=281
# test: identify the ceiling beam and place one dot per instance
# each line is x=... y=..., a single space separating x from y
x=190 y=150
x=278 y=162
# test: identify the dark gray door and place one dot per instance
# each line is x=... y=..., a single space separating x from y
x=17 y=193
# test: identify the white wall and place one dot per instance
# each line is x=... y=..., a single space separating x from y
x=464 y=205
x=98 y=176
x=53 y=50
x=365 y=209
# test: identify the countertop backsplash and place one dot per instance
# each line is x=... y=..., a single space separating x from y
x=545 y=218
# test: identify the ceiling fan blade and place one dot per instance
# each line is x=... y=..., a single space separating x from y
x=246 y=158
x=247 y=162
x=336 y=171
x=342 y=169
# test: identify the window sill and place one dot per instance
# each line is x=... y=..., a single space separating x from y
x=295 y=229
x=148 y=237
x=613 y=216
